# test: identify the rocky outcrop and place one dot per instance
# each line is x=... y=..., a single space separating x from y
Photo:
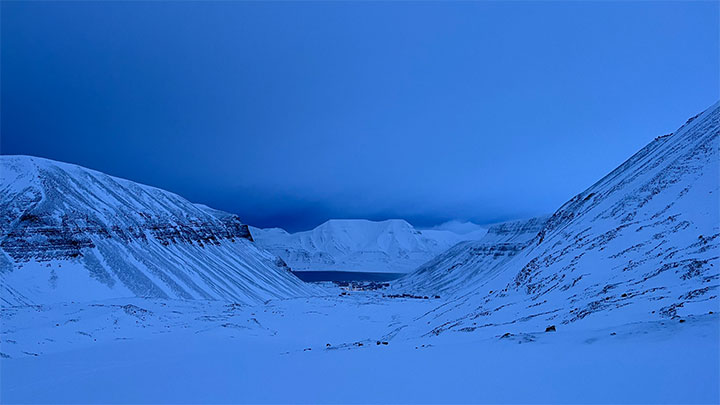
x=46 y=236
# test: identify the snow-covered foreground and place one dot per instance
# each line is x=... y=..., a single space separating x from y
x=325 y=349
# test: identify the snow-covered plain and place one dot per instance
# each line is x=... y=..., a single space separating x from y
x=612 y=299
x=195 y=351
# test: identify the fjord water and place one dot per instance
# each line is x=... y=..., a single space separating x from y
x=345 y=276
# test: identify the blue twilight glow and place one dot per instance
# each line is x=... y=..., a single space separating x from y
x=290 y=113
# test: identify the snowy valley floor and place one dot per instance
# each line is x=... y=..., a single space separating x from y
x=325 y=349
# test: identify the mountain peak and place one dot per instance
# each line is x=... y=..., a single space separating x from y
x=391 y=245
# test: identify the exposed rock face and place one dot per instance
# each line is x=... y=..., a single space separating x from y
x=46 y=237
x=117 y=230
x=641 y=244
x=58 y=214
x=517 y=232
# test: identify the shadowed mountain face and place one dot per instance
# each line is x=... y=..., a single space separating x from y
x=70 y=232
x=641 y=243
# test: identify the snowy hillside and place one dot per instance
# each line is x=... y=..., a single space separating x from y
x=73 y=234
x=359 y=245
x=641 y=244
x=473 y=260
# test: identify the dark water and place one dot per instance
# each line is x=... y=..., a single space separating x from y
x=315 y=276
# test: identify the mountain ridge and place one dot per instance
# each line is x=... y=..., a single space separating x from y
x=115 y=238
x=358 y=245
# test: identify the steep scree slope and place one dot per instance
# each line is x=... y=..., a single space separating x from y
x=69 y=233
x=639 y=245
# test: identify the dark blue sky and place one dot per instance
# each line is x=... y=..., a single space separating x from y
x=292 y=113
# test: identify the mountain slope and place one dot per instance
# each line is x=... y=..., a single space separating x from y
x=358 y=245
x=472 y=260
x=639 y=245
x=69 y=233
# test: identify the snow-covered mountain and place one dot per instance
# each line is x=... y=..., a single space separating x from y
x=641 y=244
x=473 y=259
x=73 y=234
x=619 y=288
x=392 y=246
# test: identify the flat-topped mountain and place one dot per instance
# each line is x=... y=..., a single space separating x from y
x=392 y=246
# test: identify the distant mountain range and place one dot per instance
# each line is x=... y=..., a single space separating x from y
x=392 y=246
